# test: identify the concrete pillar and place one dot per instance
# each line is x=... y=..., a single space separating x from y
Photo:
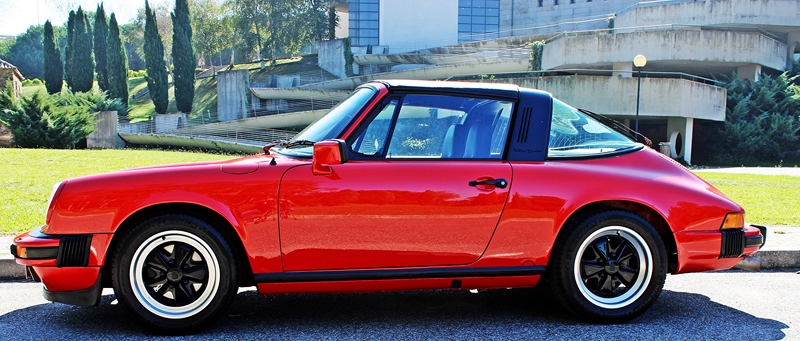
x=624 y=70
x=680 y=132
x=106 y=132
x=750 y=71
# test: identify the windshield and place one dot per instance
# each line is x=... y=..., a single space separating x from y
x=329 y=126
x=574 y=134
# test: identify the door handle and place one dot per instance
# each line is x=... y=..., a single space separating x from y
x=499 y=183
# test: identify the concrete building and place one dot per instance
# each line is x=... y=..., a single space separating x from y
x=8 y=73
x=587 y=58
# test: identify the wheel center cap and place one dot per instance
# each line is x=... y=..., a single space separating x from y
x=612 y=267
x=175 y=275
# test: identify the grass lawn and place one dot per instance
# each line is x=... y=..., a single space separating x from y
x=767 y=199
x=29 y=174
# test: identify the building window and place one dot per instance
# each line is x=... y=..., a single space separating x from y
x=555 y=2
x=478 y=20
x=364 y=22
x=541 y=3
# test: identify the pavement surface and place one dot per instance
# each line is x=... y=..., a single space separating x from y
x=727 y=305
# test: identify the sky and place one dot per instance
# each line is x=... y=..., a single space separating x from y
x=17 y=15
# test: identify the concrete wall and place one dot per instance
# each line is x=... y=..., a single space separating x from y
x=331 y=57
x=519 y=17
x=616 y=96
x=233 y=92
x=106 y=132
x=410 y=25
x=580 y=51
x=165 y=123
x=714 y=12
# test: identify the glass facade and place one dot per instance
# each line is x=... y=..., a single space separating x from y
x=478 y=20
x=363 y=23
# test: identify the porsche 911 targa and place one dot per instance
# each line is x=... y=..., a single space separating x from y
x=404 y=185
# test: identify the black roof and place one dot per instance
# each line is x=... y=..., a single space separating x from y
x=501 y=90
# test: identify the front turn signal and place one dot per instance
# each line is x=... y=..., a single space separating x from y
x=733 y=221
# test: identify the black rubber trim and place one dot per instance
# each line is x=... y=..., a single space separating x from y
x=754 y=241
x=369 y=275
x=42 y=252
x=35 y=253
x=763 y=230
x=73 y=250
x=87 y=297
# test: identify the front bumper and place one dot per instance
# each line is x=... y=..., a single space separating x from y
x=69 y=266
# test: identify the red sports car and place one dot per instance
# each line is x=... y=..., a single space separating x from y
x=404 y=185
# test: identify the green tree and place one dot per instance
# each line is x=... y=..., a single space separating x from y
x=27 y=52
x=212 y=26
x=82 y=67
x=117 y=64
x=154 y=58
x=53 y=69
x=100 y=38
x=133 y=38
x=69 y=69
x=183 y=56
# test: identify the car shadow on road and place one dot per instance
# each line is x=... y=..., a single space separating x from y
x=440 y=314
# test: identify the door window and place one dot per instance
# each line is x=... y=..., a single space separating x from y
x=439 y=127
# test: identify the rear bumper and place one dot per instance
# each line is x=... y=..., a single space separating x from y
x=69 y=266
x=717 y=250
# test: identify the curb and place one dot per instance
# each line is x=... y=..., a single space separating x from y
x=779 y=259
x=10 y=270
x=770 y=260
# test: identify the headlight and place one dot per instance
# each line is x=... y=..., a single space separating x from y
x=51 y=203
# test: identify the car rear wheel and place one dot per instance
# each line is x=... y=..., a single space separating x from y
x=610 y=268
x=175 y=273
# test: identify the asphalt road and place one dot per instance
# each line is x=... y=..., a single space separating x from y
x=731 y=305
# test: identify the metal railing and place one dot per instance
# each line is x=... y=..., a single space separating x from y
x=204 y=126
x=593 y=72
x=665 y=27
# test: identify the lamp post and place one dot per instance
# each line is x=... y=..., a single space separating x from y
x=639 y=62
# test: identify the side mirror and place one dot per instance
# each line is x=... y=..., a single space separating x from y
x=327 y=153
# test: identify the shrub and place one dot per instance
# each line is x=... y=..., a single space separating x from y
x=537 y=48
x=37 y=122
x=761 y=122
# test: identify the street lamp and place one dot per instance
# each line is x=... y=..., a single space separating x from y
x=639 y=62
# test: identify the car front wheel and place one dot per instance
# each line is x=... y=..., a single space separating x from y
x=175 y=273
x=610 y=268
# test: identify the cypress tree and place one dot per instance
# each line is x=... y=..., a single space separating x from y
x=183 y=56
x=100 y=37
x=69 y=70
x=154 y=58
x=53 y=70
x=82 y=63
x=117 y=64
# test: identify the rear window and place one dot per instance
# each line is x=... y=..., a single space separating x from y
x=574 y=134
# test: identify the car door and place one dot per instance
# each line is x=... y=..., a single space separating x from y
x=425 y=186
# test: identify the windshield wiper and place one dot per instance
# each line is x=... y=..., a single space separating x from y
x=288 y=144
